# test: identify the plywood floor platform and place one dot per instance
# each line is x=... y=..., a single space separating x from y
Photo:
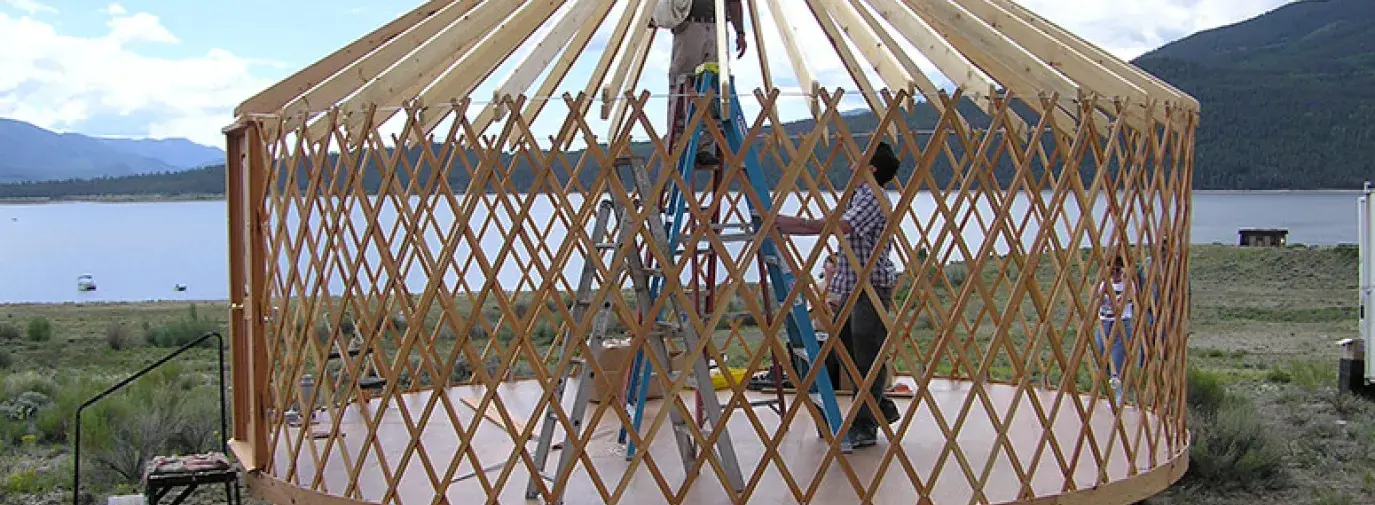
x=1044 y=452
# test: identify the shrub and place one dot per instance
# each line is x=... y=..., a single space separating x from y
x=9 y=332
x=1206 y=391
x=17 y=384
x=6 y=359
x=957 y=274
x=180 y=332
x=39 y=329
x=1312 y=374
x=116 y=336
x=1234 y=449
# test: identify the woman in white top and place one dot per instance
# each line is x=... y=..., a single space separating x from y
x=1115 y=307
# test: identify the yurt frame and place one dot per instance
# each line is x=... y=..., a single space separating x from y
x=347 y=289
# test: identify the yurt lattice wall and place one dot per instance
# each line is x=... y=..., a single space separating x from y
x=411 y=217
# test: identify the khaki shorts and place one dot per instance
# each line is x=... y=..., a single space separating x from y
x=693 y=44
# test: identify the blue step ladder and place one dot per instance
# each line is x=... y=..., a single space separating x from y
x=781 y=279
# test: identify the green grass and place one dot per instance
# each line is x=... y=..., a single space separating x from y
x=1260 y=349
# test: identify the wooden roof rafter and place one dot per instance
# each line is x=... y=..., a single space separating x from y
x=447 y=50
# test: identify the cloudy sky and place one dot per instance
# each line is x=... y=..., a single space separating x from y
x=177 y=68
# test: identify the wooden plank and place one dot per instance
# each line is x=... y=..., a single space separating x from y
x=421 y=67
x=599 y=72
x=359 y=73
x=520 y=79
x=1073 y=64
x=274 y=98
x=484 y=57
x=947 y=60
x=805 y=81
x=847 y=58
x=1152 y=84
x=1001 y=59
x=627 y=55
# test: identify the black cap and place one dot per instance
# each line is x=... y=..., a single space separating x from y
x=884 y=160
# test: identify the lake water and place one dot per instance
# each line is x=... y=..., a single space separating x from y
x=139 y=251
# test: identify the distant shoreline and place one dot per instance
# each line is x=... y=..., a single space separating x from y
x=209 y=197
x=37 y=200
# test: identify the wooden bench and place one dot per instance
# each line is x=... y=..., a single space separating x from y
x=164 y=474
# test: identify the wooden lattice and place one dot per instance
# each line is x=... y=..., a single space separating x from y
x=410 y=256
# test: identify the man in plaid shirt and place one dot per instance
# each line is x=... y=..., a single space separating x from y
x=863 y=335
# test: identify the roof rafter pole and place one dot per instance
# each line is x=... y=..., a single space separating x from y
x=571 y=49
x=613 y=45
x=805 y=81
x=488 y=54
x=637 y=68
x=723 y=58
x=917 y=79
x=960 y=71
x=360 y=72
x=1002 y=59
x=520 y=80
x=276 y=97
x=1073 y=64
x=421 y=66
x=759 y=45
x=639 y=28
x=1150 y=83
x=847 y=58
x=879 y=55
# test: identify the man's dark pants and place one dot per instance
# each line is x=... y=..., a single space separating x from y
x=863 y=336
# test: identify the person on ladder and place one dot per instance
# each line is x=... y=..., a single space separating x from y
x=694 y=43
x=863 y=334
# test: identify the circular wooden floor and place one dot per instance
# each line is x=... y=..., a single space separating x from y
x=1095 y=459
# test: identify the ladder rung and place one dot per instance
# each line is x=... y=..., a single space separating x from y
x=607 y=245
x=725 y=226
x=736 y=237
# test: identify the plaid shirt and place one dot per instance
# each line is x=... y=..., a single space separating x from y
x=867 y=219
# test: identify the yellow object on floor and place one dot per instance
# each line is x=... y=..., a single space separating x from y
x=718 y=379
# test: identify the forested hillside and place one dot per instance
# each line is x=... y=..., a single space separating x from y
x=1287 y=102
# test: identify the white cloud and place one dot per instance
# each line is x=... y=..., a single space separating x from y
x=64 y=82
x=29 y=6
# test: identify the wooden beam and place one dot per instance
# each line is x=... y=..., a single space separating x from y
x=539 y=59
x=599 y=73
x=360 y=72
x=1073 y=64
x=947 y=60
x=759 y=44
x=566 y=48
x=722 y=59
x=1152 y=84
x=639 y=29
x=1004 y=61
x=637 y=67
x=847 y=58
x=484 y=57
x=274 y=98
x=805 y=81
x=420 y=67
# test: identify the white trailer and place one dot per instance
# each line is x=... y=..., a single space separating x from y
x=1366 y=220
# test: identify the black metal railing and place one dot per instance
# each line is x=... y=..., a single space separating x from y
x=224 y=420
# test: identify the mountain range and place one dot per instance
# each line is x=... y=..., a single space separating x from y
x=1286 y=98
x=32 y=153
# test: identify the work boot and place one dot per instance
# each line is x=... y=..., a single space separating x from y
x=707 y=159
x=890 y=410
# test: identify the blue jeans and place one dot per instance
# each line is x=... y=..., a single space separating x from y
x=1119 y=345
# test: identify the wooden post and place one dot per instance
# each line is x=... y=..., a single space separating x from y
x=256 y=301
x=240 y=380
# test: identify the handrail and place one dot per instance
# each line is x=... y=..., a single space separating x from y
x=224 y=422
